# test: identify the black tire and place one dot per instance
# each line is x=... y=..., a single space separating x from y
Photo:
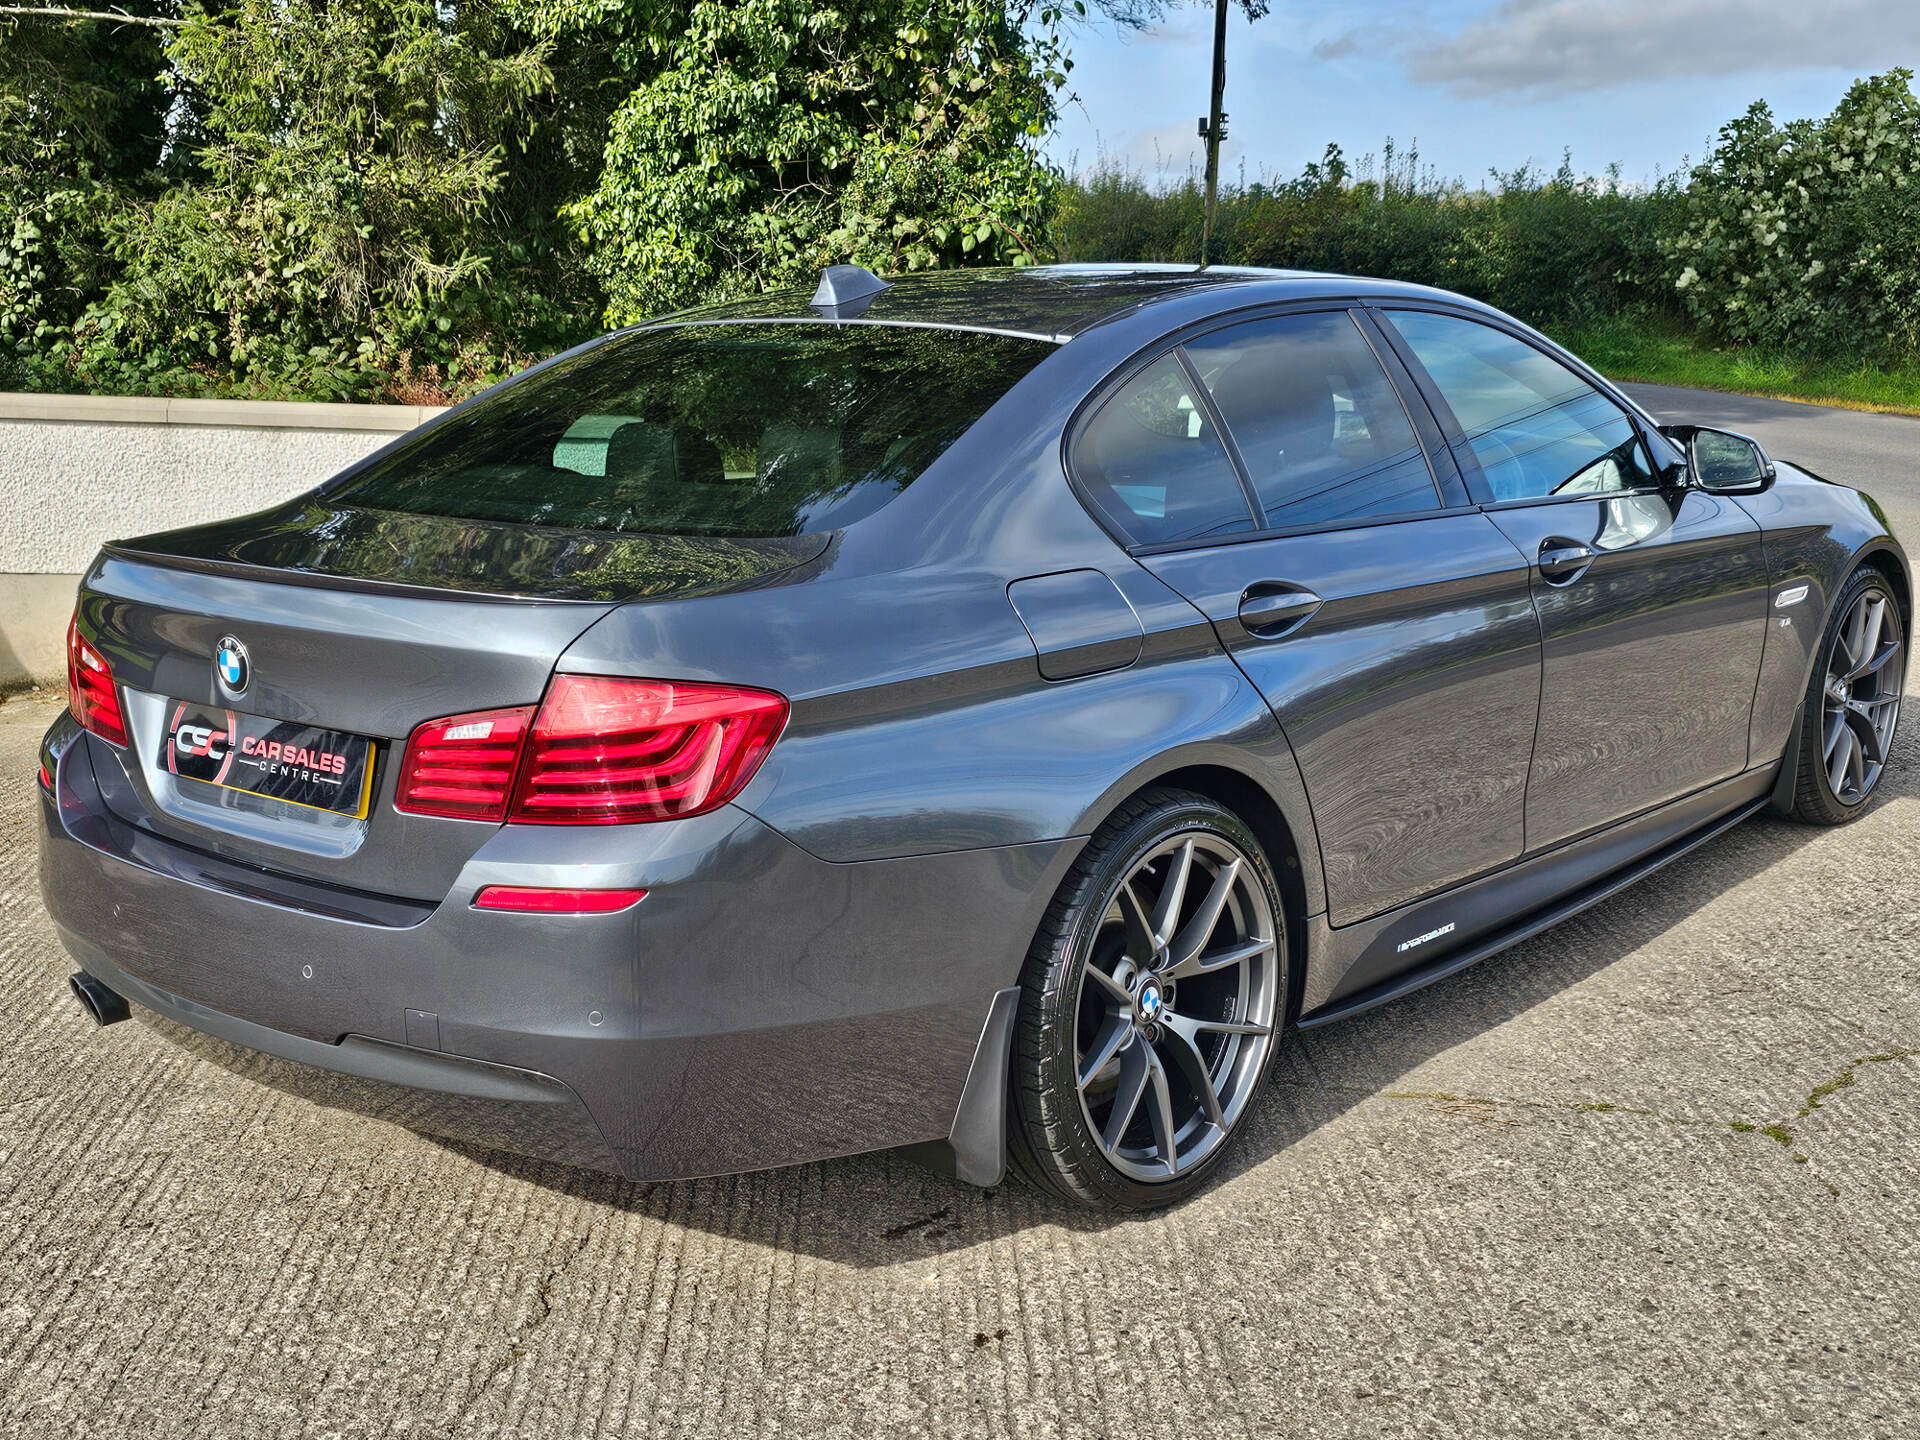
x=1816 y=799
x=1053 y=1143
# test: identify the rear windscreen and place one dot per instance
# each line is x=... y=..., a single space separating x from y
x=743 y=430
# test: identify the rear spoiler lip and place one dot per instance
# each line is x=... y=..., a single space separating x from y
x=322 y=580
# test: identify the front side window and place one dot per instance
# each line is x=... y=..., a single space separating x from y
x=728 y=430
x=1535 y=427
x=1318 y=424
x=1153 y=462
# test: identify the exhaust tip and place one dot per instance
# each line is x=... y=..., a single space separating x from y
x=104 y=1006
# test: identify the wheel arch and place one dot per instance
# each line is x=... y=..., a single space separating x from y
x=1889 y=561
x=1290 y=844
x=975 y=1150
x=1250 y=801
x=1882 y=555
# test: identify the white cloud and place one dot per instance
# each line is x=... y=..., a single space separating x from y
x=1533 y=49
x=1165 y=152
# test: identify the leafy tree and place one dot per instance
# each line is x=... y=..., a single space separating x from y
x=84 y=97
x=365 y=203
x=761 y=139
x=82 y=132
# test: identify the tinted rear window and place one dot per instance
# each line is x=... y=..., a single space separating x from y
x=743 y=430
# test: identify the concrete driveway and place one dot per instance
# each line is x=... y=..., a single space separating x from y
x=1649 y=1174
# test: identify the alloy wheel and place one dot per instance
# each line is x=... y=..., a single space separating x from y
x=1865 y=668
x=1177 y=1007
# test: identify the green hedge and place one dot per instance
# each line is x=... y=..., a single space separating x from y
x=1801 y=238
x=1544 y=248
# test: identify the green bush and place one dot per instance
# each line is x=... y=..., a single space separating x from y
x=1544 y=247
x=1806 y=236
x=404 y=199
x=339 y=223
x=1802 y=239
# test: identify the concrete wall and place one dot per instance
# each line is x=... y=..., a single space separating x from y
x=77 y=470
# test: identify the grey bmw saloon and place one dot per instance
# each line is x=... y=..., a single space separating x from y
x=981 y=713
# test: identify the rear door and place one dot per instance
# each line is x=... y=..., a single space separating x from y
x=1269 y=472
x=1652 y=596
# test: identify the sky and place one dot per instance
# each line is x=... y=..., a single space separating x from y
x=1478 y=84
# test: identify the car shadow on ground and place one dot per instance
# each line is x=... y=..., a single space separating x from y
x=882 y=1209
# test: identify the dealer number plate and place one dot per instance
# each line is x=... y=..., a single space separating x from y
x=300 y=764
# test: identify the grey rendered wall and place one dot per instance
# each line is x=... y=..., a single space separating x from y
x=76 y=470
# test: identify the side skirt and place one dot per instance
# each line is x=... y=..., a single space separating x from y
x=1367 y=964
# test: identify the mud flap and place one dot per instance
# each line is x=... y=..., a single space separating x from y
x=975 y=1149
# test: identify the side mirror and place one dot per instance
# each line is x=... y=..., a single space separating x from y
x=1723 y=462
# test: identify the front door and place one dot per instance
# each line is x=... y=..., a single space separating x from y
x=1395 y=640
x=1652 y=596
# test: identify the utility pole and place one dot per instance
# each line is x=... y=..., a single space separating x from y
x=1213 y=129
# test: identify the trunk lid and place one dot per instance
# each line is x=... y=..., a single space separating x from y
x=366 y=623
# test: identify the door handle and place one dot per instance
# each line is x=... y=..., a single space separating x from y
x=1563 y=561
x=1267 y=614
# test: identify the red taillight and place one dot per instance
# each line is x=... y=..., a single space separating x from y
x=463 y=766
x=91 y=696
x=605 y=752
x=534 y=900
x=599 y=751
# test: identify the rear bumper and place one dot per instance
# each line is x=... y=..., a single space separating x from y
x=494 y=1105
x=761 y=1007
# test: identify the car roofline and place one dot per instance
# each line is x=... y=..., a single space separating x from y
x=1060 y=325
x=684 y=322
x=1056 y=319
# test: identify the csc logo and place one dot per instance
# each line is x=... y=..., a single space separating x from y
x=199 y=740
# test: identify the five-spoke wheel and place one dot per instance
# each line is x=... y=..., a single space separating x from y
x=1155 y=995
x=1853 y=703
x=1177 y=1006
x=1863 y=696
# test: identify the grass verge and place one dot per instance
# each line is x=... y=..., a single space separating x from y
x=1630 y=348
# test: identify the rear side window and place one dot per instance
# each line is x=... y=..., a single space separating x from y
x=1535 y=427
x=735 y=430
x=1318 y=424
x=1153 y=462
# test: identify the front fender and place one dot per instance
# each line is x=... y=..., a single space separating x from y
x=1817 y=534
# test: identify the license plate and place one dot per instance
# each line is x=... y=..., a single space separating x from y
x=300 y=764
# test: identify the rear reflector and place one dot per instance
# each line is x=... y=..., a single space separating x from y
x=463 y=766
x=91 y=696
x=46 y=777
x=607 y=752
x=531 y=900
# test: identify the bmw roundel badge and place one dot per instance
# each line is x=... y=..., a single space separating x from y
x=231 y=665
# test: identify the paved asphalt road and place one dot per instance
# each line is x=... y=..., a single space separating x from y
x=1649 y=1174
